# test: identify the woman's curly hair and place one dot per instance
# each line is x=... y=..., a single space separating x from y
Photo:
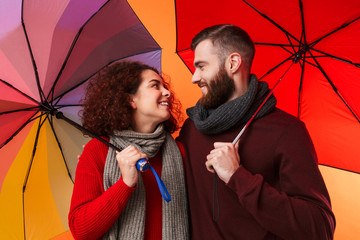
x=106 y=103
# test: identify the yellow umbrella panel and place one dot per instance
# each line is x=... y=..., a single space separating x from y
x=36 y=192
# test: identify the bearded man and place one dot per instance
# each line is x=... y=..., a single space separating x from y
x=270 y=186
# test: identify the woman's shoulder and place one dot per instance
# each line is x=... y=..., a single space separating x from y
x=95 y=150
x=97 y=144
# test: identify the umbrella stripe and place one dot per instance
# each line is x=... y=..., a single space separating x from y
x=28 y=172
x=338 y=168
x=272 y=21
x=60 y=147
x=334 y=88
x=48 y=189
x=18 y=130
x=52 y=90
x=332 y=32
x=11 y=197
x=58 y=98
x=41 y=93
x=22 y=93
x=275 y=67
x=20 y=110
x=41 y=122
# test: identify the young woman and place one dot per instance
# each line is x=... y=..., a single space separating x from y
x=130 y=105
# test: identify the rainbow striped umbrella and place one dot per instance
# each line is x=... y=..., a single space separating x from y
x=48 y=51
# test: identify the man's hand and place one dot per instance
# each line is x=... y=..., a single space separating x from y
x=224 y=160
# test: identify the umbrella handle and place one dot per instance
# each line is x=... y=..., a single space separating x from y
x=164 y=192
x=141 y=165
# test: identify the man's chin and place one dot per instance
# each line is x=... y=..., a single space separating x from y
x=206 y=103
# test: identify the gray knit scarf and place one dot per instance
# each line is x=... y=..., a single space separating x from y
x=131 y=223
x=235 y=112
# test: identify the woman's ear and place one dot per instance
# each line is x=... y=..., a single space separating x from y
x=132 y=102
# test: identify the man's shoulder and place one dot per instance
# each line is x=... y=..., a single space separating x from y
x=281 y=119
x=187 y=127
x=281 y=115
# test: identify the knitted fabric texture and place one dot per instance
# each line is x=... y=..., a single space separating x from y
x=235 y=112
x=131 y=223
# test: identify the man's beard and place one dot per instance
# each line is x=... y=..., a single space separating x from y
x=220 y=89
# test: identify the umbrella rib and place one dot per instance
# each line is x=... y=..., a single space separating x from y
x=41 y=122
x=272 y=69
x=303 y=33
x=18 y=130
x=332 y=32
x=28 y=171
x=300 y=85
x=21 y=110
x=334 y=87
x=68 y=105
x=41 y=93
x=60 y=147
x=60 y=115
x=276 y=44
x=337 y=58
x=24 y=94
x=288 y=50
x=272 y=21
x=186 y=49
x=52 y=90
x=292 y=45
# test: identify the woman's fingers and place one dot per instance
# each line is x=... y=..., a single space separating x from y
x=127 y=159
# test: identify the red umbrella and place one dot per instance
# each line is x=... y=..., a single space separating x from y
x=48 y=51
x=321 y=88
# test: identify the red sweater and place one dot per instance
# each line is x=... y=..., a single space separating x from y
x=93 y=211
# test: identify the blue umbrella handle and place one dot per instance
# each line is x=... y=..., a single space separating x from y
x=142 y=165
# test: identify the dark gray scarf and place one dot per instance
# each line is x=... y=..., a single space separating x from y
x=235 y=112
x=131 y=223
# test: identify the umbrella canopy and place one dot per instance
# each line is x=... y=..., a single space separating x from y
x=48 y=51
x=321 y=88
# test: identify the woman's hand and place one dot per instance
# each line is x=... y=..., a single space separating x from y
x=127 y=159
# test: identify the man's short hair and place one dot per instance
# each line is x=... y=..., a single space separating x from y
x=228 y=39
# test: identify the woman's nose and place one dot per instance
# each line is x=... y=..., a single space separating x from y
x=166 y=93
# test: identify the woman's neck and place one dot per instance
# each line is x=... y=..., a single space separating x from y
x=143 y=128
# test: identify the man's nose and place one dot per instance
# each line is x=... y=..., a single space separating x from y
x=196 y=76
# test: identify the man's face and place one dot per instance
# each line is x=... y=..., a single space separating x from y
x=210 y=75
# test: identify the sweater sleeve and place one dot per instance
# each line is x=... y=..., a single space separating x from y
x=301 y=209
x=93 y=211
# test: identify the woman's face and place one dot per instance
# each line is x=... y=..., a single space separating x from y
x=150 y=102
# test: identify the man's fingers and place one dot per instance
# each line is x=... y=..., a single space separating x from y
x=209 y=166
x=220 y=144
x=237 y=145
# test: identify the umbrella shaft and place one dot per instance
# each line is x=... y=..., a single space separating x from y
x=262 y=104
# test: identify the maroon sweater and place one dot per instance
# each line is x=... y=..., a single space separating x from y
x=277 y=193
